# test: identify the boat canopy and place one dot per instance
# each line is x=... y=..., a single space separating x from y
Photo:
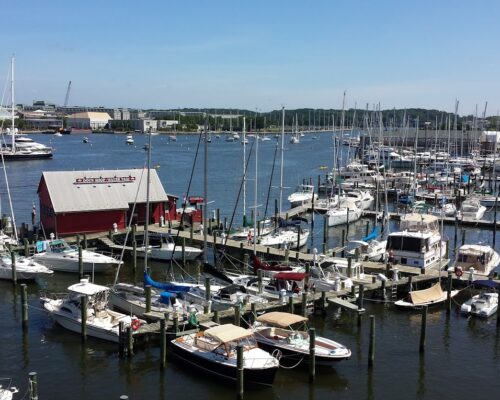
x=228 y=333
x=427 y=295
x=86 y=288
x=372 y=235
x=280 y=319
x=165 y=286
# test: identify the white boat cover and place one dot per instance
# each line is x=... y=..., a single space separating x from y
x=280 y=319
x=434 y=293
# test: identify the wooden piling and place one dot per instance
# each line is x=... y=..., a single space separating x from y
x=259 y=280
x=371 y=347
x=13 y=267
x=448 y=293
x=463 y=236
x=33 y=385
x=207 y=295
x=343 y=243
x=240 y=369
x=24 y=305
x=304 y=304
x=298 y=238
x=175 y=320
x=183 y=249
x=121 y=338
x=26 y=248
x=216 y=318
x=367 y=230
x=349 y=267
x=237 y=318
x=134 y=255
x=78 y=240
x=130 y=342
x=80 y=262
x=85 y=244
x=312 y=355
x=215 y=248
x=163 y=342
x=84 y=301
x=423 y=329
x=290 y=305
x=147 y=289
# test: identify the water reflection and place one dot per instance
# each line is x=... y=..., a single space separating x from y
x=421 y=390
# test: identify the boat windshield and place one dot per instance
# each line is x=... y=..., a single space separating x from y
x=60 y=246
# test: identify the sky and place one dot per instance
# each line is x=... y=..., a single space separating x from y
x=255 y=55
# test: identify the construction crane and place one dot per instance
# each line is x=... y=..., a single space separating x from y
x=67 y=94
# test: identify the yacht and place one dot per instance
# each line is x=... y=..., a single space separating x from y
x=58 y=255
x=362 y=198
x=373 y=250
x=288 y=333
x=129 y=140
x=418 y=243
x=345 y=212
x=25 y=148
x=166 y=249
x=102 y=322
x=482 y=305
x=356 y=172
x=26 y=268
x=214 y=352
x=303 y=194
x=483 y=259
x=472 y=210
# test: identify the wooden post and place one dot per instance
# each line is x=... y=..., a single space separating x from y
x=80 y=262
x=215 y=248
x=84 y=300
x=26 y=248
x=253 y=307
x=216 y=316
x=121 y=338
x=287 y=255
x=423 y=329
x=304 y=304
x=349 y=267
x=163 y=342
x=85 y=244
x=410 y=284
x=130 y=342
x=24 y=305
x=371 y=348
x=175 y=319
x=134 y=255
x=148 y=298
x=463 y=236
x=207 y=295
x=218 y=218
x=78 y=240
x=259 y=280
x=183 y=251
x=323 y=302
x=290 y=305
x=298 y=238
x=237 y=315
x=312 y=355
x=448 y=293
x=367 y=230
x=325 y=234
x=382 y=287
x=33 y=386
x=343 y=242
x=13 y=267
x=246 y=261
x=240 y=369
x=347 y=224
x=191 y=233
x=360 y=302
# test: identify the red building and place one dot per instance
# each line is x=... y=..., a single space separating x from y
x=92 y=201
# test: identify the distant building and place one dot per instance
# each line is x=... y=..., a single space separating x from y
x=137 y=114
x=144 y=125
x=167 y=123
x=125 y=114
x=92 y=201
x=489 y=142
x=88 y=120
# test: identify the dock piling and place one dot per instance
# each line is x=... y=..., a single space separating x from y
x=240 y=369
x=259 y=278
x=216 y=318
x=121 y=338
x=448 y=293
x=163 y=342
x=134 y=255
x=84 y=300
x=183 y=249
x=304 y=304
x=312 y=355
x=371 y=348
x=290 y=305
x=148 y=298
x=130 y=342
x=24 y=304
x=85 y=244
x=423 y=329
x=13 y=267
x=80 y=262
x=237 y=318
x=26 y=248
x=33 y=385
x=207 y=295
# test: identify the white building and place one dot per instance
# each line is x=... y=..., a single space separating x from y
x=88 y=120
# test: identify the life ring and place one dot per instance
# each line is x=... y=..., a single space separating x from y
x=459 y=272
x=135 y=324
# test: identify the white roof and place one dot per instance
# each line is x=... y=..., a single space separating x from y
x=85 y=287
x=474 y=249
x=93 y=116
x=74 y=191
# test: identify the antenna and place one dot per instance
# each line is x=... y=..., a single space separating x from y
x=67 y=94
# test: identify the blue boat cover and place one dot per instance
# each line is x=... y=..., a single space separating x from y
x=372 y=235
x=165 y=286
x=486 y=283
x=465 y=178
x=165 y=297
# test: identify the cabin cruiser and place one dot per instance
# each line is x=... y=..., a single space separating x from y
x=129 y=140
x=418 y=243
x=483 y=259
x=472 y=210
x=373 y=250
x=102 y=322
x=25 y=148
x=303 y=194
x=288 y=333
x=26 y=268
x=214 y=351
x=362 y=198
x=163 y=247
x=482 y=305
x=58 y=255
x=346 y=212
x=360 y=173
x=289 y=235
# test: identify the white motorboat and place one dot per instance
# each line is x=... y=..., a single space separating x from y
x=26 y=268
x=472 y=210
x=482 y=258
x=418 y=243
x=102 y=322
x=489 y=201
x=426 y=297
x=323 y=205
x=85 y=139
x=362 y=198
x=246 y=233
x=214 y=352
x=482 y=305
x=347 y=211
x=167 y=249
x=288 y=333
x=58 y=255
x=303 y=194
x=372 y=250
x=129 y=140
x=6 y=390
x=286 y=238
x=447 y=210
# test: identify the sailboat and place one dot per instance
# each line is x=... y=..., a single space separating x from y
x=295 y=139
x=28 y=149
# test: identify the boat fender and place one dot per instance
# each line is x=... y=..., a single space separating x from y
x=459 y=272
x=135 y=324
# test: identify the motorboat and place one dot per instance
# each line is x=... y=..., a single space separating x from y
x=85 y=139
x=472 y=210
x=482 y=305
x=263 y=228
x=214 y=352
x=25 y=148
x=102 y=322
x=129 y=140
x=6 y=390
x=418 y=243
x=58 y=255
x=303 y=194
x=166 y=249
x=362 y=198
x=286 y=237
x=372 y=250
x=482 y=258
x=344 y=213
x=426 y=297
x=288 y=333
x=26 y=268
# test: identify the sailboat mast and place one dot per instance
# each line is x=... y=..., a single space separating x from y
x=205 y=194
x=282 y=154
x=146 y=225
x=255 y=195
x=12 y=129
x=244 y=174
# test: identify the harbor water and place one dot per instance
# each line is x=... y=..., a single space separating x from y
x=461 y=358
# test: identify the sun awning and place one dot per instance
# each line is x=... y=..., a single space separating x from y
x=280 y=319
x=427 y=295
x=228 y=333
